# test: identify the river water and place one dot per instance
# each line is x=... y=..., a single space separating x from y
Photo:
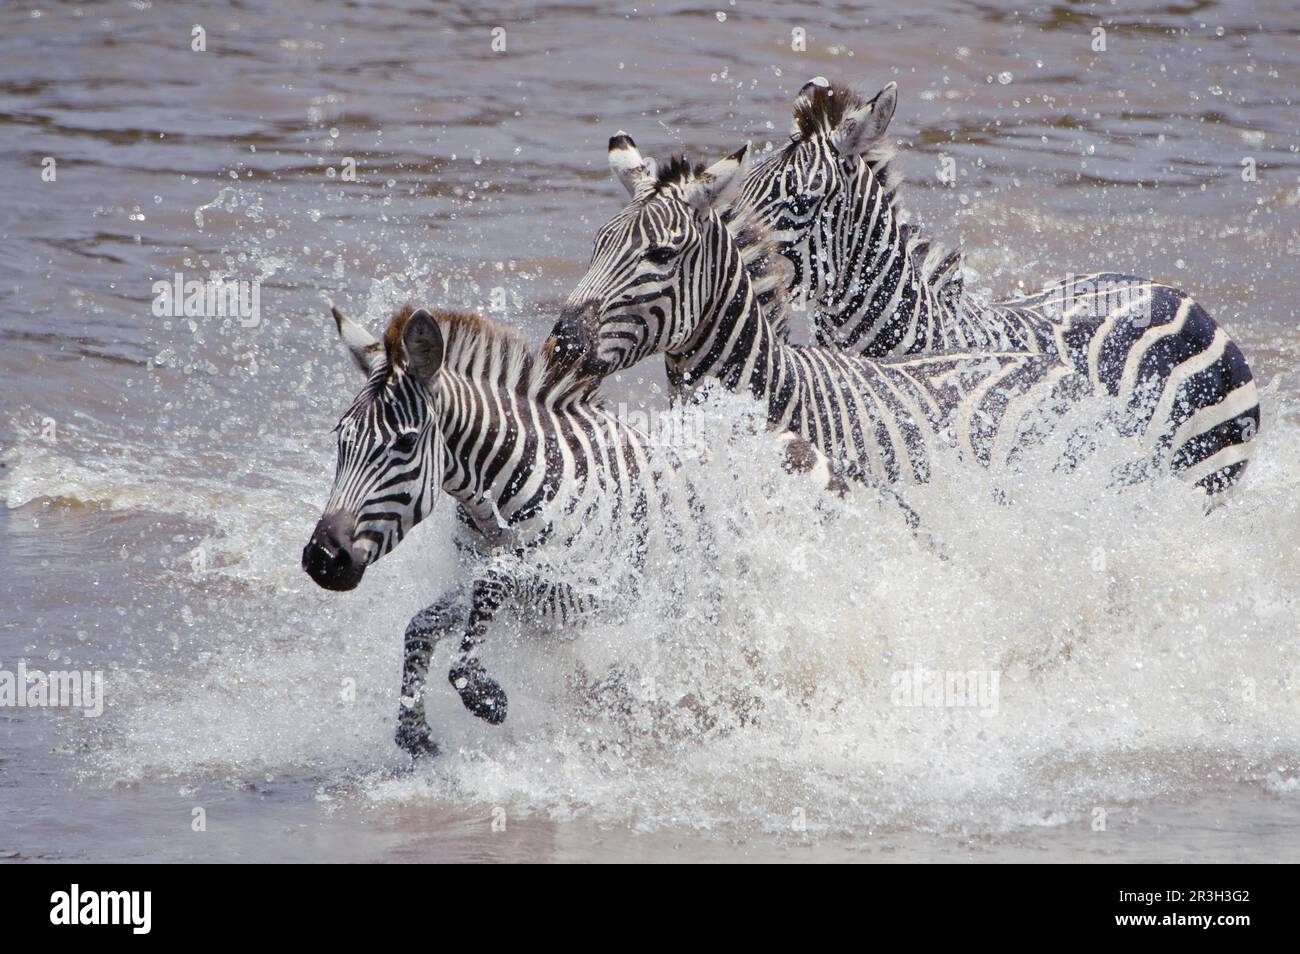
x=162 y=474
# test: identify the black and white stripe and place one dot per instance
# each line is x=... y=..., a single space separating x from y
x=878 y=290
x=455 y=404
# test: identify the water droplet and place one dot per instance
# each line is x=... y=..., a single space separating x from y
x=722 y=17
x=1005 y=77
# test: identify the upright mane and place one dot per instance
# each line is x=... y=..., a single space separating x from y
x=824 y=108
x=471 y=339
x=817 y=112
x=676 y=171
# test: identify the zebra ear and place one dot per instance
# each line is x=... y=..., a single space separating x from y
x=422 y=339
x=361 y=344
x=625 y=159
x=716 y=186
x=865 y=127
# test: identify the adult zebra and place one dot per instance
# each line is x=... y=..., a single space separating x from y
x=667 y=275
x=878 y=289
x=458 y=404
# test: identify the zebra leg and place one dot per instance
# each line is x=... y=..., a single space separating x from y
x=426 y=629
x=481 y=694
x=545 y=600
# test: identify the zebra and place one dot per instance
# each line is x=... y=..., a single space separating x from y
x=879 y=289
x=460 y=404
x=668 y=276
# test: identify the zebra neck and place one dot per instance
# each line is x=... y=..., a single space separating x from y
x=872 y=298
x=736 y=347
x=511 y=454
x=487 y=433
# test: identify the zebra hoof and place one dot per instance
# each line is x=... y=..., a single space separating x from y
x=415 y=741
x=481 y=694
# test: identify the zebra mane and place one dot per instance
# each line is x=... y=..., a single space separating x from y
x=678 y=170
x=824 y=108
x=470 y=339
x=818 y=113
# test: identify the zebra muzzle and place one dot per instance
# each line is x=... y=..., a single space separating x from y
x=328 y=557
x=575 y=345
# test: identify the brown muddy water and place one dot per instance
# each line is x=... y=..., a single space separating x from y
x=161 y=474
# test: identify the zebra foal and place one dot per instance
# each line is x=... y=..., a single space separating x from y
x=456 y=404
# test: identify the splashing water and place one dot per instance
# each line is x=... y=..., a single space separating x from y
x=1127 y=646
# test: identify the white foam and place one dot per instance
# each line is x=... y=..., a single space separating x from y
x=1143 y=649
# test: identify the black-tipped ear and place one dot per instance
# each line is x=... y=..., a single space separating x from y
x=422 y=339
x=627 y=164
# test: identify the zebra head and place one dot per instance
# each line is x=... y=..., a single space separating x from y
x=390 y=450
x=651 y=262
x=811 y=188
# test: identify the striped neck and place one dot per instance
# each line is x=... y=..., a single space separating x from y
x=869 y=274
x=735 y=341
x=502 y=408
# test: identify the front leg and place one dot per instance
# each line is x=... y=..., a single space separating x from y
x=542 y=600
x=481 y=694
x=426 y=629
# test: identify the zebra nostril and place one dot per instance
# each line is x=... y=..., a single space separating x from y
x=327 y=558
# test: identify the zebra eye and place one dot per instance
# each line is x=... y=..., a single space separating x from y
x=802 y=204
x=660 y=254
x=405 y=442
